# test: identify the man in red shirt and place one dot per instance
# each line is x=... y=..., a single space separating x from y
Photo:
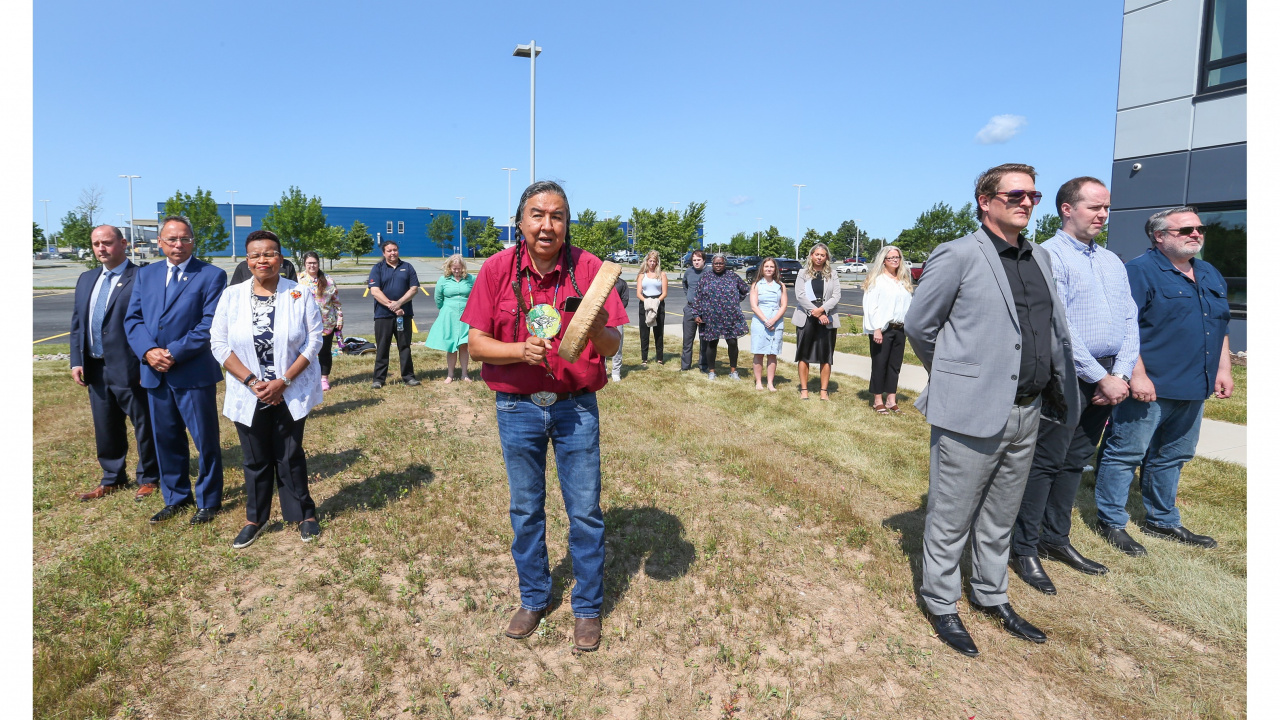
x=522 y=298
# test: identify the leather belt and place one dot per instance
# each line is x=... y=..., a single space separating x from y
x=546 y=397
x=1107 y=362
x=897 y=326
x=1025 y=400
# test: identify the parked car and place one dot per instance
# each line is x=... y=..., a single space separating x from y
x=917 y=270
x=787 y=270
x=625 y=256
x=852 y=268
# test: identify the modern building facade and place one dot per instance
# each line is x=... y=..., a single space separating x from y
x=1181 y=132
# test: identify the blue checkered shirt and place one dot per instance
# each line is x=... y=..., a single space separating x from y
x=1094 y=288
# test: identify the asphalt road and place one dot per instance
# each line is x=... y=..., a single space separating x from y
x=52 y=310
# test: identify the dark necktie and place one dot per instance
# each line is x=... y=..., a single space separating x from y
x=172 y=288
x=99 y=314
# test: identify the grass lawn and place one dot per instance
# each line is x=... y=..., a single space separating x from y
x=763 y=555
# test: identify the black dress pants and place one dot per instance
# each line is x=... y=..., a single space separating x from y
x=657 y=332
x=383 y=330
x=1061 y=454
x=110 y=406
x=326 y=354
x=711 y=347
x=273 y=456
x=886 y=360
x=691 y=330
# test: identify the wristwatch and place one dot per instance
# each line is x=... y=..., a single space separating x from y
x=1122 y=376
x=249 y=380
x=285 y=379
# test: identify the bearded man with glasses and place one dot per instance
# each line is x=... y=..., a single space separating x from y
x=1184 y=357
x=999 y=355
x=170 y=315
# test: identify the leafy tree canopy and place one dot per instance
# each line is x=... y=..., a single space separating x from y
x=296 y=219
x=440 y=231
x=331 y=242
x=38 y=243
x=359 y=242
x=776 y=245
x=933 y=227
x=1046 y=226
x=598 y=237
x=76 y=230
x=488 y=242
x=670 y=232
x=201 y=209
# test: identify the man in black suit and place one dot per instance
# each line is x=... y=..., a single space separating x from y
x=102 y=360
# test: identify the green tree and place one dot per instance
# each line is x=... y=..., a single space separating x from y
x=488 y=242
x=201 y=209
x=331 y=242
x=741 y=244
x=38 y=243
x=296 y=219
x=1046 y=226
x=669 y=232
x=774 y=244
x=441 y=232
x=598 y=237
x=848 y=239
x=76 y=230
x=933 y=227
x=359 y=241
x=812 y=237
x=471 y=230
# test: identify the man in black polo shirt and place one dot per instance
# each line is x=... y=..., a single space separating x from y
x=393 y=284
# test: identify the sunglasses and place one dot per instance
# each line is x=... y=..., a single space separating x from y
x=1015 y=196
x=1186 y=231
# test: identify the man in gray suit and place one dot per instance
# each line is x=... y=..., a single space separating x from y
x=988 y=326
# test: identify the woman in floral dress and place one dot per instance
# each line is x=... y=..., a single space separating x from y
x=326 y=294
x=717 y=308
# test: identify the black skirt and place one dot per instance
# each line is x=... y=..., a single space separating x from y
x=815 y=343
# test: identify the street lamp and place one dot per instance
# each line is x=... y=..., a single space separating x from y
x=530 y=51
x=233 y=226
x=857 y=240
x=132 y=247
x=510 y=230
x=48 y=234
x=460 y=198
x=797 y=187
x=758 y=235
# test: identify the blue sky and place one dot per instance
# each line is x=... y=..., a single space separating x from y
x=876 y=107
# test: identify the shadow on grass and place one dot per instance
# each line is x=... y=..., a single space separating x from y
x=323 y=466
x=343 y=407
x=910 y=527
x=376 y=491
x=643 y=538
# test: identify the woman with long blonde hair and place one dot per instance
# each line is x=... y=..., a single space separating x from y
x=651 y=288
x=815 y=318
x=886 y=296
x=448 y=333
x=768 y=306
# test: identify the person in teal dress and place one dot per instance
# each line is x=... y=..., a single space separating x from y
x=768 y=306
x=448 y=333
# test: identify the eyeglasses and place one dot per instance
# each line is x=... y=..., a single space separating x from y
x=1186 y=231
x=1016 y=196
x=268 y=255
x=180 y=241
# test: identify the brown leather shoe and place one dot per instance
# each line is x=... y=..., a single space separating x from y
x=523 y=623
x=144 y=490
x=586 y=634
x=98 y=492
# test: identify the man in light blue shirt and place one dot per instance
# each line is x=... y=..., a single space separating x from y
x=1094 y=287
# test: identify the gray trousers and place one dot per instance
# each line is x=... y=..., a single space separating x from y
x=617 y=357
x=975 y=490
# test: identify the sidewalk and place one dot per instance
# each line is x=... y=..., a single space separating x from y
x=1218 y=440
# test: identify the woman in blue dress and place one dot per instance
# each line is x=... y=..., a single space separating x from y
x=768 y=305
x=448 y=333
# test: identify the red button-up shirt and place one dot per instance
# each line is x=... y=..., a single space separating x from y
x=492 y=308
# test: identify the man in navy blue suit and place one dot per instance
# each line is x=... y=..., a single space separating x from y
x=102 y=361
x=168 y=324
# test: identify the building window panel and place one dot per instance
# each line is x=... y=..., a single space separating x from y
x=400 y=227
x=244 y=221
x=390 y=227
x=1226 y=248
x=1224 y=49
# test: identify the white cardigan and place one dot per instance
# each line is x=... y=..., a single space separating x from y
x=298 y=327
x=884 y=302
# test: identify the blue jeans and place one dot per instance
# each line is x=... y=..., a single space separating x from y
x=1160 y=436
x=573 y=427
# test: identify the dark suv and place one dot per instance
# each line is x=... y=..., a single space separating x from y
x=787 y=270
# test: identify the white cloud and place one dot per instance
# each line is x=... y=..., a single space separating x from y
x=739 y=199
x=1001 y=129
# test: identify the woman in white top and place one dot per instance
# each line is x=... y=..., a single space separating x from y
x=266 y=333
x=886 y=295
x=651 y=285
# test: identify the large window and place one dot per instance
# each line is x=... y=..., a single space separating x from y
x=1223 y=57
x=1225 y=247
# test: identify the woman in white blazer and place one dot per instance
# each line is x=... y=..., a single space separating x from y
x=266 y=333
x=886 y=296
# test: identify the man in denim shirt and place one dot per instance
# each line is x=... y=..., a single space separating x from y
x=1184 y=358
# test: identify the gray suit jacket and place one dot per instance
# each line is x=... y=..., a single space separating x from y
x=804 y=305
x=963 y=326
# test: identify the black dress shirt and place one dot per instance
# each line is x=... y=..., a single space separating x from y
x=1035 y=311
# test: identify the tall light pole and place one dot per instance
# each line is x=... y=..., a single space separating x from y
x=511 y=232
x=233 y=226
x=48 y=234
x=758 y=235
x=857 y=240
x=797 y=187
x=530 y=51
x=133 y=248
x=460 y=199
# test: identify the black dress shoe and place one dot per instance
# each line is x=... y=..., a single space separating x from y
x=377 y=385
x=204 y=515
x=1119 y=538
x=1028 y=568
x=1072 y=557
x=1179 y=534
x=412 y=381
x=1012 y=622
x=169 y=511
x=951 y=631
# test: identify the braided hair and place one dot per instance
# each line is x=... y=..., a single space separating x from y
x=537 y=188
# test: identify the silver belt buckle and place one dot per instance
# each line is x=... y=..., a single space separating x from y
x=543 y=399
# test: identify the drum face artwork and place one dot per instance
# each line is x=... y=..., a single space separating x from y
x=543 y=321
x=575 y=336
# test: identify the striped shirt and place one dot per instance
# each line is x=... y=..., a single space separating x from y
x=1094 y=288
